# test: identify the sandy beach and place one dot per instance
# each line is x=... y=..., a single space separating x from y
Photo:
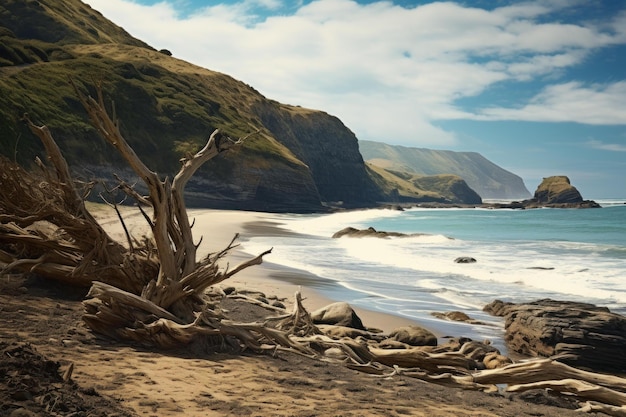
x=141 y=382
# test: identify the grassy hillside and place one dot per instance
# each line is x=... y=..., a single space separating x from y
x=167 y=107
x=299 y=160
x=410 y=187
x=482 y=175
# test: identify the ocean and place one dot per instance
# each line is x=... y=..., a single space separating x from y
x=521 y=255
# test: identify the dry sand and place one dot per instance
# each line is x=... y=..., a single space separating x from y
x=181 y=383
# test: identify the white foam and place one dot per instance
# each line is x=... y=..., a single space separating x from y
x=514 y=269
x=328 y=224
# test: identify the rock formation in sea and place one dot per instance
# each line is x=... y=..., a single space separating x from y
x=581 y=334
x=556 y=192
x=557 y=189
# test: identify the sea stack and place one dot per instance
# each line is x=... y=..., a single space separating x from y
x=557 y=190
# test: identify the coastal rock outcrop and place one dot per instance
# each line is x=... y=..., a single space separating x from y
x=370 y=232
x=465 y=260
x=555 y=192
x=581 y=334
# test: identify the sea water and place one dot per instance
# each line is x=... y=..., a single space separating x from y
x=521 y=255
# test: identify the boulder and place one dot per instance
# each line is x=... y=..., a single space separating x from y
x=456 y=316
x=341 y=332
x=371 y=232
x=413 y=336
x=338 y=314
x=465 y=260
x=584 y=335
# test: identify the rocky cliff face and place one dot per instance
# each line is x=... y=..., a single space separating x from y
x=300 y=159
x=327 y=147
x=586 y=335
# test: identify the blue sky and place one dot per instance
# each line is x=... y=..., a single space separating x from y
x=538 y=87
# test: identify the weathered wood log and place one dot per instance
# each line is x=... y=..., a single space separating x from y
x=542 y=369
x=158 y=285
x=579 y=388
x=418 y=358
x=592 y=406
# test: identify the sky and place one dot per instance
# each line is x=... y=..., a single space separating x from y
x=537 y=87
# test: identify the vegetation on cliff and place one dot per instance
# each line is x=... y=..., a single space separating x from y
x=301 y=159
x=483 y=176
x=414 y=188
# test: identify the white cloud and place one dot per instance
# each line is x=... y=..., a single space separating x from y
x=388 y=71
x=569 y=102
x=613 y=147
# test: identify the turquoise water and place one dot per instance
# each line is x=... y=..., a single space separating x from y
x=522 y=255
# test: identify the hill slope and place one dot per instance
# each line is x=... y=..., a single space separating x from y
x=301 y=159
x=482 y=175
x=408 y=187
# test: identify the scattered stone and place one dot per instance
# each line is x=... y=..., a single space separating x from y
x=414 y=336
x=339 y=332
x=339 y=314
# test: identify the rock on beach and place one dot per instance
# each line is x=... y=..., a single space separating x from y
x=581 y=334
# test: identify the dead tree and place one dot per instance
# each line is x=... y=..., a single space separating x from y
x=150 y=292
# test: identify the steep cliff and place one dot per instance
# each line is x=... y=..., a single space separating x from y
x=329 y=149
x=167 y=108
x=299 y=160
x=482 y=175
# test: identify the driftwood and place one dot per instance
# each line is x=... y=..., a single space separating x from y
x=592 y=406
x=151 y=290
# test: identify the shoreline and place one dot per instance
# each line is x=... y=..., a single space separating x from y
x=283 y=282
x=218 y=227
x=41 y=323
